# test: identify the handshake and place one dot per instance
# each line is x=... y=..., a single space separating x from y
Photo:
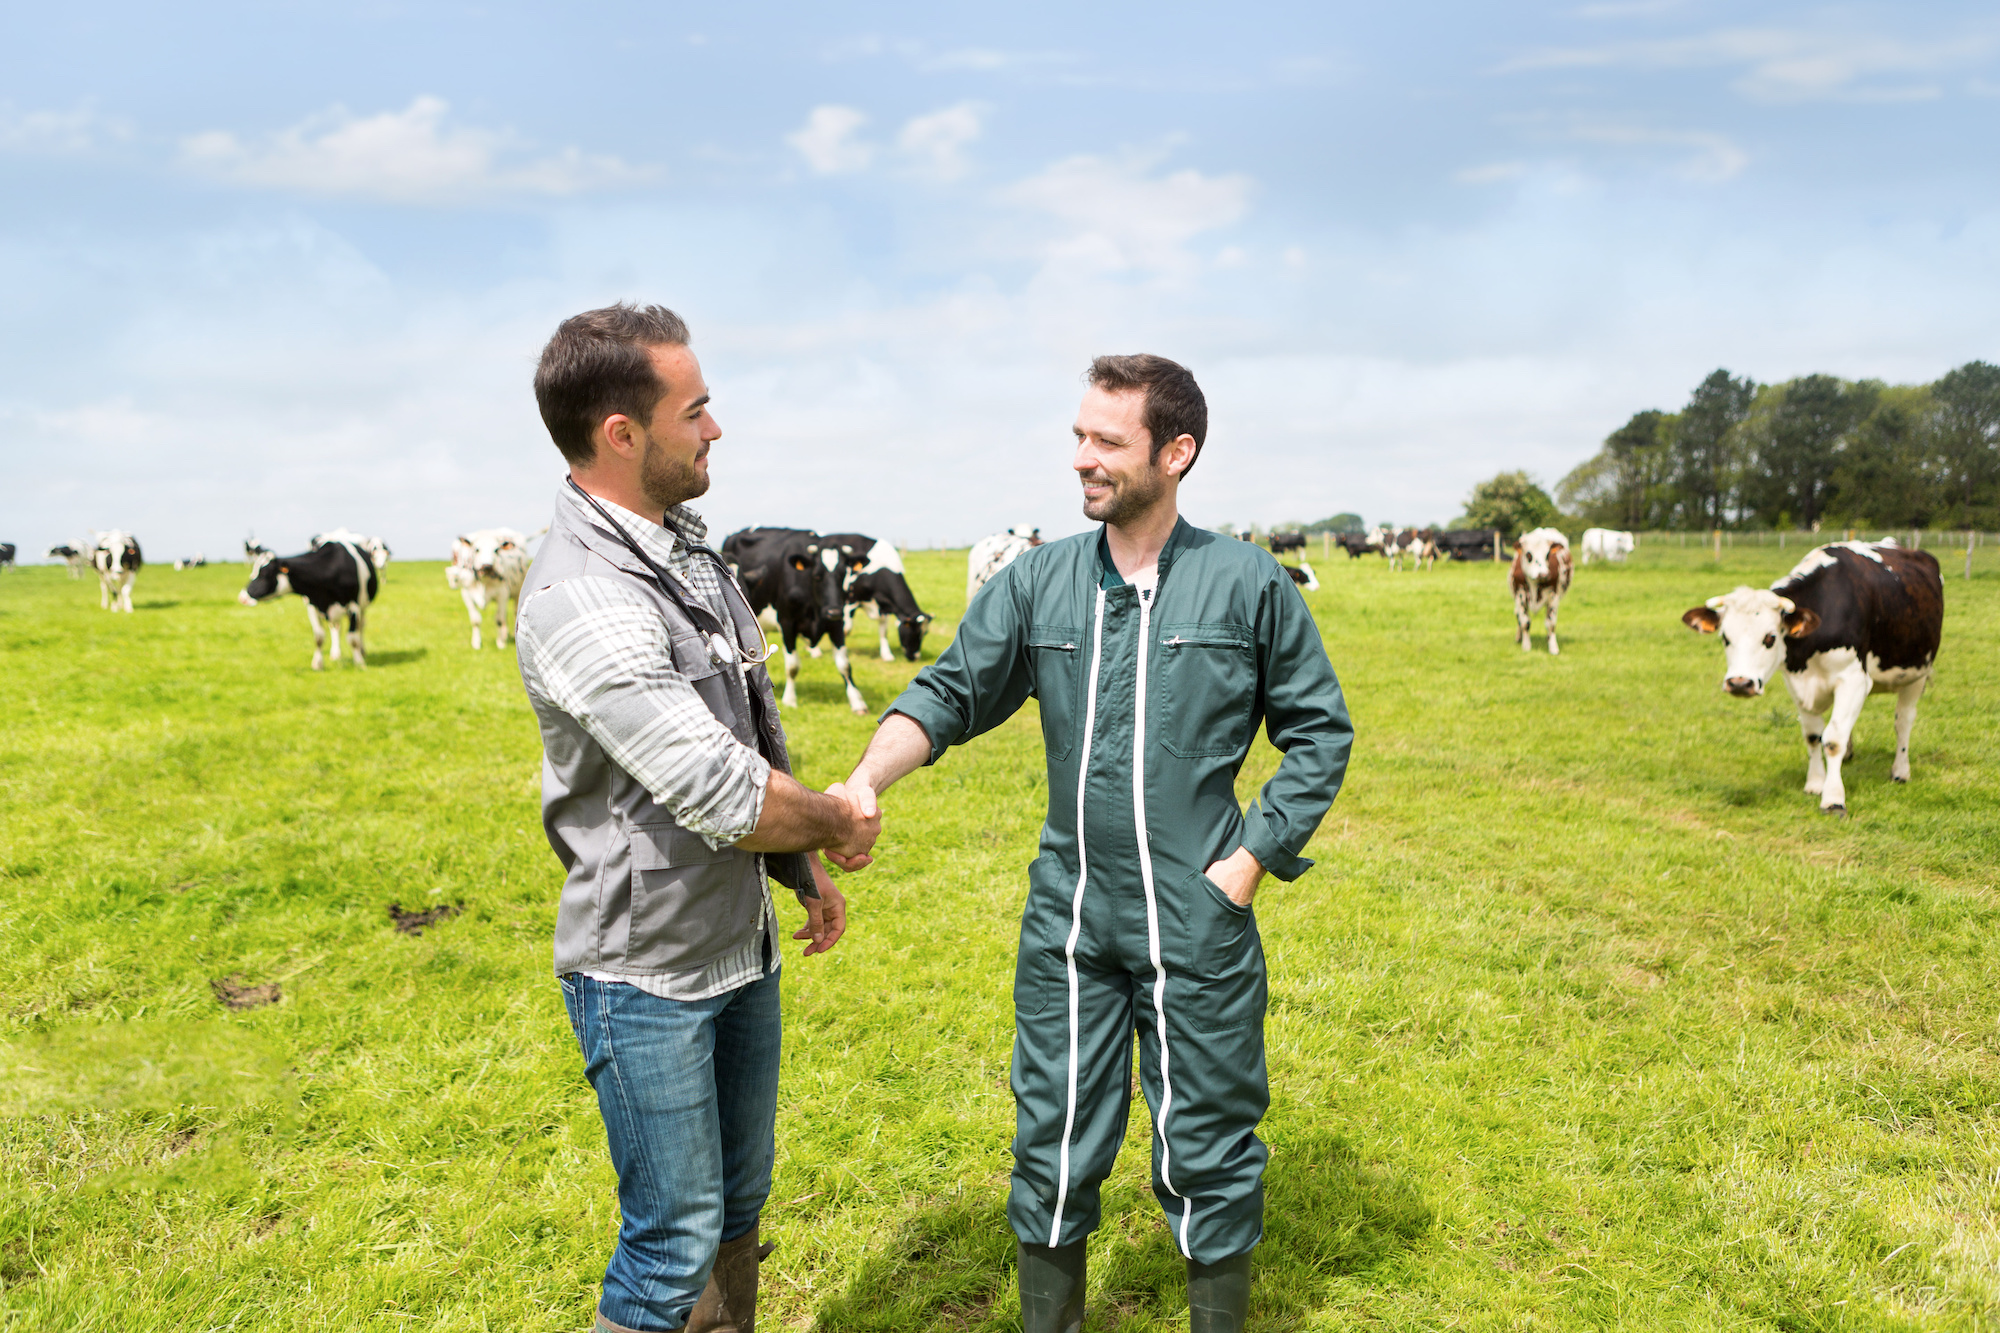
x=862 y=824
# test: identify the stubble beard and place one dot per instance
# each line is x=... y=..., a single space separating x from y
x=1130 y=498
x=667 y=481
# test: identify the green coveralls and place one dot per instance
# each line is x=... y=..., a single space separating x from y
x=1147 y=714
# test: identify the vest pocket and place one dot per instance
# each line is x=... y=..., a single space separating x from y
x=1207 y=686
x=690 y=902
x=1055 y=654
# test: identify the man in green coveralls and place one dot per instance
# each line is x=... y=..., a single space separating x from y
x=1155 y=649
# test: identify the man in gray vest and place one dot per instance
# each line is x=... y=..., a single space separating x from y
x=668 y=797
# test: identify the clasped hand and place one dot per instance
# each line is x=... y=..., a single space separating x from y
x=852 y=853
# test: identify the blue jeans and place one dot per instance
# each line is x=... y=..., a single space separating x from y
x=689 y=1094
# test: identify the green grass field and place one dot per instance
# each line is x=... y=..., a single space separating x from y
x=1586 y=1018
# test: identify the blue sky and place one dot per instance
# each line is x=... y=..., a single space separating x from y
x=285 y=269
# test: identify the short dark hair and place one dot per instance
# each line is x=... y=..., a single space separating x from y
x=597 y=365
x=1174 y=404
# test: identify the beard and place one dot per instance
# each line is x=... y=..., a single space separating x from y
x=1131 y=496
x=666 y=480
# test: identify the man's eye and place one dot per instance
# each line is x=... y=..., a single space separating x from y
x=1770 y=639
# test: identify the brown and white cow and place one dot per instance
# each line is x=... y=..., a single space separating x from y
x=1852 y=619
x=488 y=567
x=1539 y=579
x=116 y=557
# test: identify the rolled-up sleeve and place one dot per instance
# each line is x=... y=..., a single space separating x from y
x=1306 y=718
x=604 y=657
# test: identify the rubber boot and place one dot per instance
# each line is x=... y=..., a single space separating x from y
x=728 y=1303
x=1051 y=1287
x=1219 y=1295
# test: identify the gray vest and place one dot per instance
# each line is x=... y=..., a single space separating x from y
x=644 y=896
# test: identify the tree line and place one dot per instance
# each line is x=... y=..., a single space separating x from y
x=1811 y=452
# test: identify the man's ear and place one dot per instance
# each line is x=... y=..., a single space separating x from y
x=1702 y=620
x=1180 y=455
x=617 y=433
x=1801 y=622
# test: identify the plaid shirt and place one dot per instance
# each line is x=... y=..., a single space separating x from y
x=602 y=655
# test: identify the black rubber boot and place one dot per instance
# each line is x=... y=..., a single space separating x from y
x=1051 y=1288
x=1219 y=1295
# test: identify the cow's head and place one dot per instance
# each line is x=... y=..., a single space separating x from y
x=815 y=576
x=480 y=552
x=269 y=577
x=1753 y=623
x=910 y=630
x=1537 y=552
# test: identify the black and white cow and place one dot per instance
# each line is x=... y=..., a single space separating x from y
x=6 y=554
x=1302 y=574
x=1470 y=543
x=1281 y=542
x=1354 y=543
x=115 y=555
x=802 y=582
x=72 y=557
x=375 y=548
x=336 y=578
x=487 y=568
x=990 y=555
x=876 y=581
x=1851 y=619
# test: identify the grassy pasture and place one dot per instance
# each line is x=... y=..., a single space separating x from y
x=1585 y=1019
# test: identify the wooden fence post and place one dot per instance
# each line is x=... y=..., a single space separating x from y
x=1968 y=555
x=1718 y=545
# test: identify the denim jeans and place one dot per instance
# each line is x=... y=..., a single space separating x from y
x=689 y=1094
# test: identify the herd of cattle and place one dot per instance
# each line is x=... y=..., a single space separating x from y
x=1851 y=619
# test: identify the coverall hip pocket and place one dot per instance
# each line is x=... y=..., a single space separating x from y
x=1041 y=970
x=1225 y=965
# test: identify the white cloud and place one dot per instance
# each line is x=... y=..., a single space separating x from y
x=1716 y=158
x=411 y=155
x=827 y=140
x=76 y=131
x=1784 y=65
x=1492 y=173
x=935 y=142
x=1117 y=218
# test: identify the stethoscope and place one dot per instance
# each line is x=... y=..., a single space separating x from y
x=721 y=648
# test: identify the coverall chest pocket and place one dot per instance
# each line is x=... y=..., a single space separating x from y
x=689 y=900
x=1055 y=653
x=1207 y=687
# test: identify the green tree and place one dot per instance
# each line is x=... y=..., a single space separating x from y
x=1706 y=448
x=1796 y=438
x=1338 y=523
x=1511 y=502
x=1882 y=479
x=1627 y=484
x=1964 y=440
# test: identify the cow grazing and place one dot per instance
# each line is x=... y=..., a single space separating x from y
x=488 y=566
x=992 y=554
x=802 y=581
x=115 y=556
x=1302 y=574
x=1282 y=542
x=195 y=561
x=335 y=578
x=71 y=556
x=1539 y=579
x=1605 y=544
x=6 y=554
x=1851 y=619
x=374 y=547
x=876 y=580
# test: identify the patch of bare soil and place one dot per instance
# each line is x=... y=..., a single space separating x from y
x=235 y=995
x=413 y=923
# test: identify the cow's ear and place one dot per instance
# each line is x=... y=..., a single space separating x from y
x=1801 y=622
x=1702 y=620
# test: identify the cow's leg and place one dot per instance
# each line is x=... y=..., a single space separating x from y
x=1813 y=726
x=791 y=637
x=500 y=615
x=475 y=611
x=103 y=593
x=1906 y=721
x=357 y=624
x=1521 y=620
x=319 y=637
x=1849 y=694
x=846 y=670
x=882 y=628
x=1555 y=604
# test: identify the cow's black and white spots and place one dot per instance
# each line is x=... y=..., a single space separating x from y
x=992 y=554
x=487 y=568
x=115 y=556
x=1302 y=574
x=875 y=580
x=1539 y=579
x=6 y=554
x=374 y=547
x=75 y=557
x=1851 y=619
x=802 y=582
x=335 y=578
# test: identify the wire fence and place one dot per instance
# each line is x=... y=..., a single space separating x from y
x=1927 y=539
